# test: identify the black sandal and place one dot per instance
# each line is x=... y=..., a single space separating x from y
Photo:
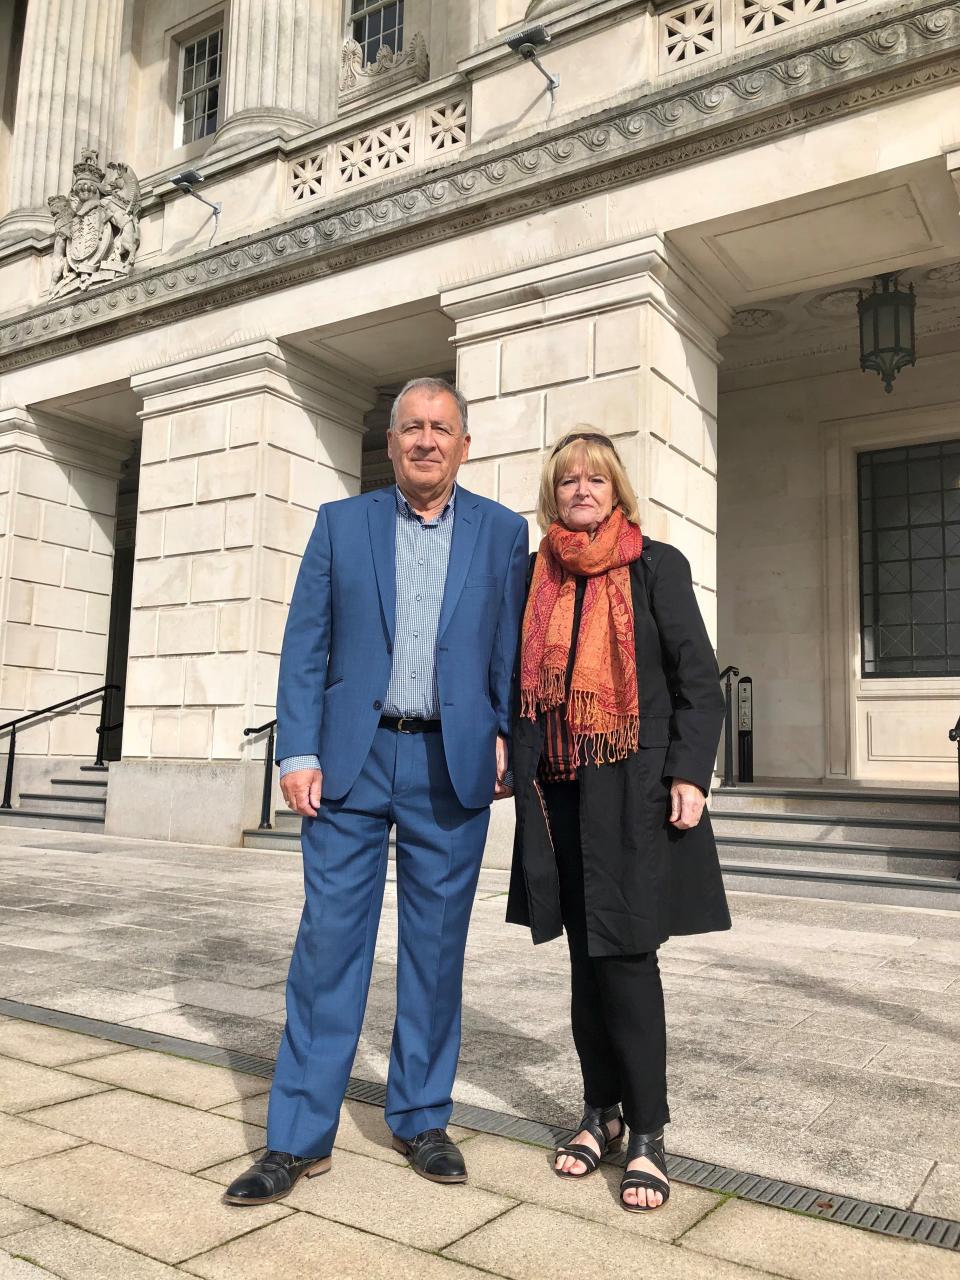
x=596 y=1121
x=649 y=1145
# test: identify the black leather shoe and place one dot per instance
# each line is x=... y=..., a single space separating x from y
x=434 y=1155
x=273 y=1176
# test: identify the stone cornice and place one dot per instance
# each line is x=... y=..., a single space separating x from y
x=898 y=53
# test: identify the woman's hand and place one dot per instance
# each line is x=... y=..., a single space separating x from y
x=686 y=804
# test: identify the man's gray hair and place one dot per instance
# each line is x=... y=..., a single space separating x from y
x=434 y=386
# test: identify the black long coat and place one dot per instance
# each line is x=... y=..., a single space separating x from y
x=643 y=879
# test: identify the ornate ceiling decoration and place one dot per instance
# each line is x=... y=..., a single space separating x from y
x=825 y=322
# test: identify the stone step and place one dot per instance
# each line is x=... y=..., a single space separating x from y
x=97 y=783
x=283 y=840
x=912 y=833
x=848 y=802
x=837 y=855
x=58 y=802
x=52 y=821
x=101 y=769
x=812 y=882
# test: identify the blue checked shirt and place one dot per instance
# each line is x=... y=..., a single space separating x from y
x=423 y=553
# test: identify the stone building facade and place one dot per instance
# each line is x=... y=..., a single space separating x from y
x=668 y=244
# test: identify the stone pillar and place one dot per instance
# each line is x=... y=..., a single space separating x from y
x=624 y=338
x=240 y=447
x=275 y=69
x=65 y=101
x=58 y=494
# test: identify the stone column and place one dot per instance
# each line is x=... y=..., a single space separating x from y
x=274 y=69
x=65 y=101
x=240 y=447
x=623 y=338
x=58 y=494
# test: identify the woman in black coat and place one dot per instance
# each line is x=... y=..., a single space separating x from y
x=618 y=719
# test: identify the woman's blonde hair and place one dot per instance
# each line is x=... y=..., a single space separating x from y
x=595 y=451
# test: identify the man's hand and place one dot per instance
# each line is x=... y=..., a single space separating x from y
x=301 y=790
x=686 y=804
x=500 y=791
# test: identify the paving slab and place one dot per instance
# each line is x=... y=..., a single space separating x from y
x=21 y=1140
x=12 y=1268
x=387 y=1200
x=210 y=1026
x=147 y=1207
x=24 y=1085
x=534 y=1243
x=77 y=1255
x=195 y=1084
x=801 y=1248
x=305 y=1246
x=49 y=1046
x=940 y=1194
x=524 y=1172
x=222 y=996
x=17 y=1217
x=177 y=1136
x=98 y=1002
x=935 y=1066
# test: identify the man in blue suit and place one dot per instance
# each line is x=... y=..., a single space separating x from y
x=393 y=709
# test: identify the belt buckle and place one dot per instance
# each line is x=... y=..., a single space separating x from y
x=400 y=728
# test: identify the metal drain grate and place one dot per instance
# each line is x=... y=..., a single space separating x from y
x=944 y=1233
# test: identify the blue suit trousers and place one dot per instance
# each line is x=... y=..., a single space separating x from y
x=404 y=783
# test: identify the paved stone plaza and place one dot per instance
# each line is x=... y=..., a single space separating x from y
x=816 y=1043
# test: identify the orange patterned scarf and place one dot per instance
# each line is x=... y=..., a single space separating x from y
x=603 y=704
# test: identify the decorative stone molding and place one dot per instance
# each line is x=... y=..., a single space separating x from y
x=435 y=130
x=97 y=226
x=388 y=73
x=746 y=104
x=693 y=32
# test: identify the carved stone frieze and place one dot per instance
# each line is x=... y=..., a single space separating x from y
x=96 y=226
x=387 y=73
x=741 y=107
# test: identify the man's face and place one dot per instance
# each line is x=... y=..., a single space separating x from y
x=427 y=445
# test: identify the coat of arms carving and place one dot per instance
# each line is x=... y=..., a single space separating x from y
x=96 y=226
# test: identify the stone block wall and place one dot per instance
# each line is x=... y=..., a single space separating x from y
x=58 y=495
x=628 y=347
x=240 y=447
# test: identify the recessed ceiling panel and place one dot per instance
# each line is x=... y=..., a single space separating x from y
x=834 y=238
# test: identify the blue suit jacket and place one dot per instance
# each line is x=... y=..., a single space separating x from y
x=336 y=659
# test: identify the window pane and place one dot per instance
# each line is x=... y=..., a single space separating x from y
x=909 y=512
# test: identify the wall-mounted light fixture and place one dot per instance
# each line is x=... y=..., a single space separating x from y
x=527 y=43
x=185 y=182
x=888 y=329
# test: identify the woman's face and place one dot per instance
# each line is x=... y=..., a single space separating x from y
x=584 y=498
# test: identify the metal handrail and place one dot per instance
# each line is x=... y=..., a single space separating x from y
x=266 y=798
x=727 y=674
x=954 y=736
x=14 y=724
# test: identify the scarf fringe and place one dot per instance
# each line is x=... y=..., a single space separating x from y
x=604 y=736
x=547 y=693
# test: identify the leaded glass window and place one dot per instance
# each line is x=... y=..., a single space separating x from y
x=375 y=23
x=910 y=560
x=200 y=74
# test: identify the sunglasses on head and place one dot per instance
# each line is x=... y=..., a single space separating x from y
x=583 y=435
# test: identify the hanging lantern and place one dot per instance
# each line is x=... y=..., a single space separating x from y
x=888 y=330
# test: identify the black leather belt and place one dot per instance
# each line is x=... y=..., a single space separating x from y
x=409 y=724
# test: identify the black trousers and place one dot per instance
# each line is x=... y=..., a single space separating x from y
x=616 y=1002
